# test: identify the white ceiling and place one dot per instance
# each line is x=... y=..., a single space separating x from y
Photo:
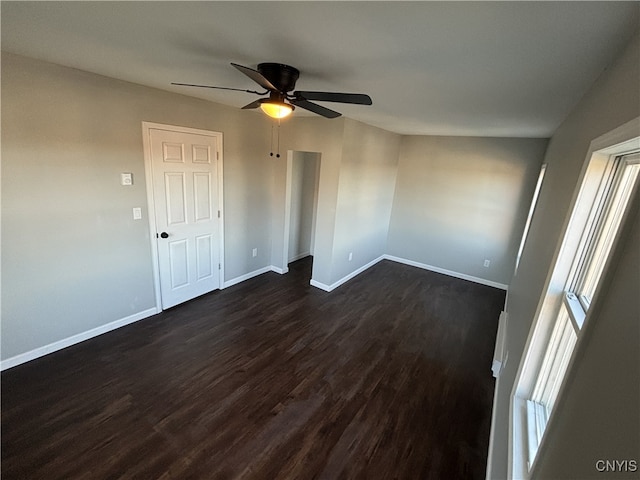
x=512 y=69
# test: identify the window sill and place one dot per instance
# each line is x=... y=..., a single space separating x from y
x=519 y=466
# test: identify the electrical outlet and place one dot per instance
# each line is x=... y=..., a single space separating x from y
x=350 y=256
x=254 y=252
x=487 y=263
x=137 y=213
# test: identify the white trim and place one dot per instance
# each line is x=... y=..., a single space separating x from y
x=462 y=276
x=255 y=273
x=250 y=275
x=220 y=171
x=619 y=140
x=148 y=171
x=536 y=421
x=246 y=276
x=489 y=470
x=299 y=256
x=518 y=467
x=333 y=286
x=532 y=209
x=498 y=351
x=412 y=263
x=287 y=209
x=74 y=339
x=146 y=146
x=321 y=286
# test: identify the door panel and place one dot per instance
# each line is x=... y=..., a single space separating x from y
x=185 y=199
x=202 y=196
x=204 y=257
x=201 y=153
x=179 y=263
x=173 y=152
x=175 y=198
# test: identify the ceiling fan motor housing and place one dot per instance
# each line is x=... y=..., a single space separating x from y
x=283 y=77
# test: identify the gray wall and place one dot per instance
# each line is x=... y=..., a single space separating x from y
x=72 y=257
x=612 y=101
x=461 y=200
x=365 y=196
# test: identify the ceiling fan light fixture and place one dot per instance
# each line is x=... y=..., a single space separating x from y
x=276 y=109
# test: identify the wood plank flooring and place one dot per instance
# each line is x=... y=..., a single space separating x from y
x=386 y=377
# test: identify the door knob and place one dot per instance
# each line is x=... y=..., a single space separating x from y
x=164 y=235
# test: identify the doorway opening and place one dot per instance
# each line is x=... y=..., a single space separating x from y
x=301 y=204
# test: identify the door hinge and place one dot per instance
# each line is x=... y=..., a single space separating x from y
x=219 y=267
x=218 y=213
x=217 y=155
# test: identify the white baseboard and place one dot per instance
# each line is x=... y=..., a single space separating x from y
x=80 y=337
x=333 y=286
x=321 y=286
x=255 y=273
x=462 y=276
x=412 y=263
x=247 y=276
x=279 y=270
x=72 y=340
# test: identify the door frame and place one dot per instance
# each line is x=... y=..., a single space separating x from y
x=148 y=170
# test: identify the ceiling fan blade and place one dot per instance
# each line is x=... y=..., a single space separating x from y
x=218 y=88
x=254 y=104
x=256 y=76
x=357 y=98
x=315 y=108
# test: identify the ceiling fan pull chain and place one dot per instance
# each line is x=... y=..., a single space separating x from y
x=278 y=154
x=271 y=148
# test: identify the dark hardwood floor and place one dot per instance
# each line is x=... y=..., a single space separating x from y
x=386 y=377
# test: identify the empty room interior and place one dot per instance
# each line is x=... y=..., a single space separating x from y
x=320 y=240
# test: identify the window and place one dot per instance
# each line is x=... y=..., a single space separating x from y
x=614 y=197
x=532 y=208
x=605 y=216
x=598 y=212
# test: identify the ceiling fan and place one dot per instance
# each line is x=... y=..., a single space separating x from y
x=279 y=82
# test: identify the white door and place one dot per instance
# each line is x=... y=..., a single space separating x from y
x=185 y=197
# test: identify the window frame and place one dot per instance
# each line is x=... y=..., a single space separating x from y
x=555 y=296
